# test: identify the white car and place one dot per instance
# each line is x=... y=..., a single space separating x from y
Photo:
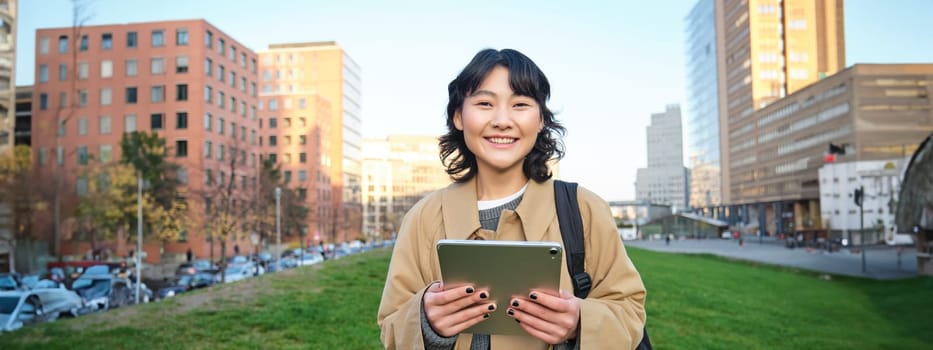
x=57 y=300
x=238 y=272
x=309 y=259
x=19 y=308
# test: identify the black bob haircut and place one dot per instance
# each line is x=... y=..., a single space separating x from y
x=526 y=79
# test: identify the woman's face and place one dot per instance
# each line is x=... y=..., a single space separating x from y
x=499 y=127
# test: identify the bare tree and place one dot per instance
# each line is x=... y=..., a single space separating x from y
x=79 y=17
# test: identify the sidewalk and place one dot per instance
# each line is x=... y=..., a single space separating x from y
x=881 y=262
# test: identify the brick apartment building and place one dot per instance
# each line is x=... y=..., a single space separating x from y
x=186 y=79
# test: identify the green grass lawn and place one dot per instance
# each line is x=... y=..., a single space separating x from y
x=694 y=302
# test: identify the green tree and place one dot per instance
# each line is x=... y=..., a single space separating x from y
x=146 y=153
x=108 y=200
x=19 y=189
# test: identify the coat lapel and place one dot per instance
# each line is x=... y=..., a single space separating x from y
x=461 y=215
x=537 y=210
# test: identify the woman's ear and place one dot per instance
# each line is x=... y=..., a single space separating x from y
x=458 y=120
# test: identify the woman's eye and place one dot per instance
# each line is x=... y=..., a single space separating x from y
x=522 y=104
x=484 y=104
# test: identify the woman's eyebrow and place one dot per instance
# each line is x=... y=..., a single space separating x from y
x=483 y=92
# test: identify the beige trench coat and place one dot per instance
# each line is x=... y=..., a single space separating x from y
x=612 y=316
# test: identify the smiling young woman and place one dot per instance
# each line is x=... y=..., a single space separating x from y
x=500 y=138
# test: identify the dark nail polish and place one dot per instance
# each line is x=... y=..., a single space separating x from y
x=492 y=307
x=482 y=295
x=486 y=316
x=534 y=296
x=469 y=290
x=511 y=312
x=517 y=320
x=515 y=303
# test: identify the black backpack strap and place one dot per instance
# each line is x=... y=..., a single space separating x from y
x=571 y=231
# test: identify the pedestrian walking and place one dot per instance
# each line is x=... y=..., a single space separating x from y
x=667 y=239
x=236 y=249
x=188 y=254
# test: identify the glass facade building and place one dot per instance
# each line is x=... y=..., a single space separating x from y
x=702 y=107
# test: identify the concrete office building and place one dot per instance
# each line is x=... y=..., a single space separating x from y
x=664 y=181
x=873 y=111
x=765 y=50
x=187 y=80
x=302 y=73
x=397 y=172
x=8 y=20
x=701 y=117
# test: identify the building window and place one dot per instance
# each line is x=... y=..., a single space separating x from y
x=62 y=72
x=181 y=64
x=181 y=120
x=181 y=92
x=288 y=140
x=220 y=152
x=43 y=73
x=208 y=94
x=220 y=72
x=132 y=39
x=63 y=99
x=208 y=148
x=220 y=126
x=302 y=175
x=208 y=180
x=158 y=38
x=220 y=46
x=131 y=68
x=129 y=123
x=106 y=96
x=233 y=79
x=84 y=43
x=181 y=148
x=209 y=39
x=155 y=121
x=106 y=153
x=81 y=186
x=104 y=125
x=106 y=41
x=272 y=158
x=288 y=175
x=272 y=140
x=106 y=69
x=302 y=103
x=273 y=123
x=302 y=157
x=233 y=53
x=181 y=37
x=243 y=59
x=181 y=174
x=82 y=98
x=82 y=70
x=63 y=44
x=302 y=139
x=43 y=101
x=232 y=129
x=131 y=95
x=252 y=65
x=273 y=105
x=208 y=120
x=43 y=156
x=60 y=156
x=157 y=65
x=220 y=99
x=158 y=93
x=82 y=126
x=43 y=46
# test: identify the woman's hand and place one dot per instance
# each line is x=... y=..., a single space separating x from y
x=451 y=311
x=551 y=318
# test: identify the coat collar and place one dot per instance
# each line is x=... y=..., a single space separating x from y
x=461 y=215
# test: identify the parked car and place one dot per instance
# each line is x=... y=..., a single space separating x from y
x=238 y=272
x=57 y=300
x=19 y=308
x=190 y=268
x=309 y=259
x=10 y=281
x=186 y=283
x=102 y=292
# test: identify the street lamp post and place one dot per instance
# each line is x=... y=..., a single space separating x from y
x=139 y=231
x=278 y=223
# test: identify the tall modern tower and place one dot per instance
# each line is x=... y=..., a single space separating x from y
x=702 y=108
x=322 y=72
x=664 y=181
x=769 y=49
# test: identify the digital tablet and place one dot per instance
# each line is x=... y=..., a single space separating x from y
x=505 y=268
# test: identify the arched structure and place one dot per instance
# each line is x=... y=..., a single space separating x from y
x=915 y=205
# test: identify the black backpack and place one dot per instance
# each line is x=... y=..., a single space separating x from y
x=571 y=229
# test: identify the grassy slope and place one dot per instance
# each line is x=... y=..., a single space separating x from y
x=694 y=302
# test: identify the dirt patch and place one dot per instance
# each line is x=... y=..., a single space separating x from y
x=213 y=298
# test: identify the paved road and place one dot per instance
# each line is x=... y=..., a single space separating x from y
x=881 y=262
